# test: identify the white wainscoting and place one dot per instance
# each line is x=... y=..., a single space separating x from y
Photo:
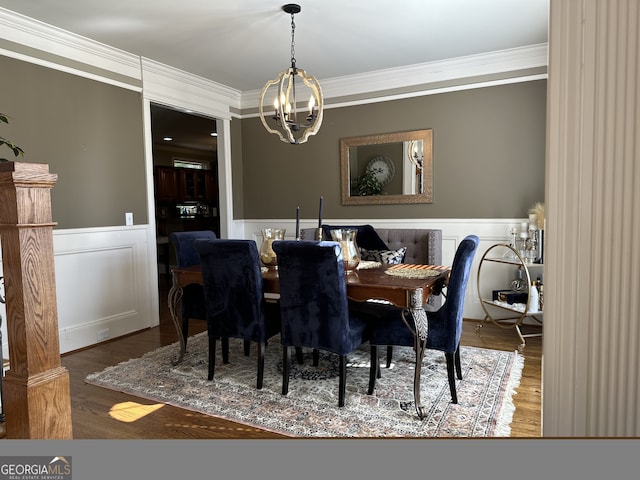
x=489 y=231
x=106 y=278
x=106 y=282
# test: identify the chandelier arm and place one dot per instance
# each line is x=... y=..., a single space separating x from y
x=286 y=116
x=278 y=111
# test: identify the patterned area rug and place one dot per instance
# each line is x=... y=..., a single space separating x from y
x=310 y=409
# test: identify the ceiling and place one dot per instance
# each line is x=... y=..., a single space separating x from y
x=243 y=43
x=186 y=130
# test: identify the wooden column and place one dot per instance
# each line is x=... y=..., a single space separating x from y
x=36 y=387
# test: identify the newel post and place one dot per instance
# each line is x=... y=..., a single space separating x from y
x=36 y=387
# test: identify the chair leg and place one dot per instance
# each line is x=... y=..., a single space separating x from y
x=342 y=387
x=247 y=348
x=451 y=377
x=225 y=349
x=389 y=355
x=299 y=357
x=316 y=357
x=374 y=369
x=261 y=349
x=286 y=359
x=212 y=357
x=458 y=363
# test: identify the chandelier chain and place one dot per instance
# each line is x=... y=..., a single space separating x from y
x=293 y=42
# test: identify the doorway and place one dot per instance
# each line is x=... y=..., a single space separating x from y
x=185 y=166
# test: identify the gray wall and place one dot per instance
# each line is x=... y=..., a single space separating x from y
x=89 y=133
x=236 y=168
x=488 y=144
x=488 y=156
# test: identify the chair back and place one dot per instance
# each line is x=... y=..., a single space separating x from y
x=313 y=295
x=186 y=255
x=182 y=242
x=233 y=291
x=450 y=313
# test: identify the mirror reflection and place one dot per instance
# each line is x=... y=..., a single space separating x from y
x=387 y=169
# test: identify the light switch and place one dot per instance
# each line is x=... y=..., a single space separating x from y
x=128 y=218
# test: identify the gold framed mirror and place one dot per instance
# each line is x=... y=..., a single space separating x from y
x=387 y=169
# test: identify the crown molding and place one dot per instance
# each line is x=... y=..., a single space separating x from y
x=54 y=48
x=415 y=79
x=170 y=86
x=60 y=43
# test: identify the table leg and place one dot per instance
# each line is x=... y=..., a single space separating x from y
x=174 y=299
x=419 y=327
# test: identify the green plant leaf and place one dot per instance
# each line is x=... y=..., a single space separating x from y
x=17 y=151
x=367 y=183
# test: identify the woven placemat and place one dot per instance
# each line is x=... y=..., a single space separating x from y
x=407 y=270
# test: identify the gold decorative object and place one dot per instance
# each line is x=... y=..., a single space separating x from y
x=350 y=251
x=267 y=255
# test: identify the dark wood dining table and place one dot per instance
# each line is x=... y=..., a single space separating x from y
x=409 y=294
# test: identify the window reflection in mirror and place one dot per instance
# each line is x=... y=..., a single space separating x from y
x=387 y=169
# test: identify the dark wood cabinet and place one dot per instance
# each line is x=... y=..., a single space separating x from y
x=211 y=186
x=167 y=184
x=186 y=185
x=198 y=185
x=178 y=188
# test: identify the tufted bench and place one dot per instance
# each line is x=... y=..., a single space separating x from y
x=424 y=246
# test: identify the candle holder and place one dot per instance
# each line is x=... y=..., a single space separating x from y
x=267 y=255
x=510 y=254
x=350 y=251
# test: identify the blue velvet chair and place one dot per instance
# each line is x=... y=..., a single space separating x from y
x=444 y=324
x=234 y=297
x=186 y=255
x=314 y=307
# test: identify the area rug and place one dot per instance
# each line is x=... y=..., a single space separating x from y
x=485 y=407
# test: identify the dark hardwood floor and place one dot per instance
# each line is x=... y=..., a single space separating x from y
x=99 y=413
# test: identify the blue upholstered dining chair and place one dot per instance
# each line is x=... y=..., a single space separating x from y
x=444 y=324
x=234 y=297
x=314 y=307
x=186 y=255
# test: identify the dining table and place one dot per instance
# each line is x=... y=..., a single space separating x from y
x=406 y=286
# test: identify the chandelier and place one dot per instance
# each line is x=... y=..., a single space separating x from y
x=289 y=121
